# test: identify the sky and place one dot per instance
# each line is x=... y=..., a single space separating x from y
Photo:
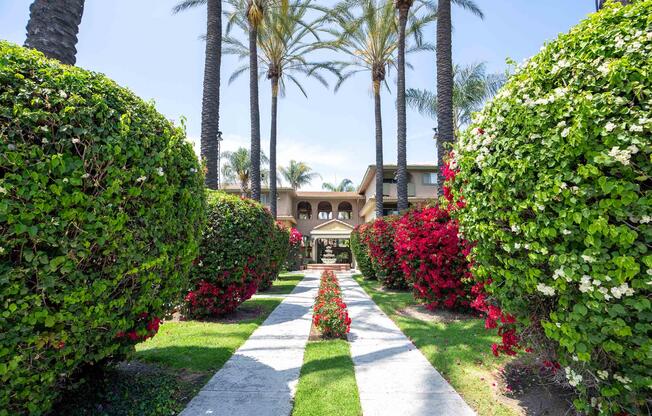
x=159 y=56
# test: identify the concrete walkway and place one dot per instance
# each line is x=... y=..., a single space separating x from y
x=261 y=377
x=393 y=377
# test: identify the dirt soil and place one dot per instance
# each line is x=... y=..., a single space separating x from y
x=420 y=312
x=243 y=313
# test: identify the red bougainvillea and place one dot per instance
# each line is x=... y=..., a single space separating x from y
x=433 y=258
x=295 y=237
x=379 y=238
x=330 y=315
x=145 y=327
x=210 y=300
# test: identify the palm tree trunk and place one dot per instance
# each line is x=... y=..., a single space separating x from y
x=254 y=110
x=53 y=26
x=272 y=149
x=445 y=123
x=401 y=165
x=210 y=112
x=379 y=150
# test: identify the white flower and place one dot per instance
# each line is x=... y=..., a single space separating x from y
x=546 y=290
x=11 y=146
x=649 y=272
x=635 y=128
x=63 y=94
x=596 y=282
x=603 y=374
x=573 y=378
x=517 y=245
x=645 y=219
x=605 y=293
x=558 y=273
x=558 y=324
x=588 y=259
x=160 y=172
x=621 y=290
x=2 y=250
x=566 y=232
x=585 y=284
x=610 y=126
x=3 y=190
x=86 y=175
x=563 y=185
x=65 y=180
x=624 y=380
x=594 y=401
x=193 y=170
x=45 y=141
x=480 y=158
x=516 y=228
x=75 y=140
x=565 y=132
x=604 y=69
x=141 y=179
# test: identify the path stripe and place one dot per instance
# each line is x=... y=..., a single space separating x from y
x=261 y=377
x=393 y=376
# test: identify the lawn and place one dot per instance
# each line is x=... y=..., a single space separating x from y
x=327 y=383
x=284 y=284
x=460 y=351
x=169 y=369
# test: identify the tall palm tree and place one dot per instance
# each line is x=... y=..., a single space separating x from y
x=298 y=174
x=237 y=169
x=445 y=123
x=283 y=55
x=472 y=86
x=346 y=185
x=210 y=111
x=53 y=26
x=371 y=41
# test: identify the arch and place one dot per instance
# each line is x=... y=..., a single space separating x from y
x=325 y=210
x=304 y=210
x=344 y=211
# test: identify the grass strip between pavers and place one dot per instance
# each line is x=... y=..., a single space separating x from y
x=460 y=351
x=327 y=383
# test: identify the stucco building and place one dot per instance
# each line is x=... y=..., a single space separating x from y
x=327 y=218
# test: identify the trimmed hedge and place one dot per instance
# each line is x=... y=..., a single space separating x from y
x=233 y=257
x=555 y=173
x=433 y=258
x=330 y=316
x=279 y=250
x=379 y=240
x=102 y=206
x=294 y=257
x=361 y=251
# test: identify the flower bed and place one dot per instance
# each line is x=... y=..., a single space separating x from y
x=330 y=315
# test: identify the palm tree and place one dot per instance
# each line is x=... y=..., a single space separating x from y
x=237 y=169
x=281 y=40
x=371 y=40
x=445 y=123
x=346 y=185
x=472 y=86
x=210 y=112
x=298 y=174
x=53 y=26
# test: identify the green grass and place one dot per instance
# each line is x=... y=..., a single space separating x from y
x=169 y=369
x=327 y=383
x=460 y=351
x=284 y=284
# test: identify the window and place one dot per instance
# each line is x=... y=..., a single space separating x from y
x=325 y=211
x=390 y=209
x=264 y=199
x=344 y=211
x=429 y=178
x=305 y=210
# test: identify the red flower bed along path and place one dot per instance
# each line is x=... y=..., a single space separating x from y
x=330 y=315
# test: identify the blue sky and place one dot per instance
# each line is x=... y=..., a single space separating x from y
x=141 y=45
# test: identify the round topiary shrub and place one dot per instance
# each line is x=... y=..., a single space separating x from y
x=278 y=250
x=233 y=257
x=380 y=244
x=555 y=173
x=361 y=252
x=100 y=213
x=433 y=258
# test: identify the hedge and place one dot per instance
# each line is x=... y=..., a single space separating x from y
x=361 y=252
x=102 y=205
x=233 y=257
x=278 y=250
x=433 y=258
x=330 y=315
x=294 y=257
x=555 y=173
x=379 y=240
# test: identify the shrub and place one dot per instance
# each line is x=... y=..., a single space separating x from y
x=102 y=204
x=330 y=315
x=361 y=252
x=278 y=250
x=433 y=258
x=233 y=257
x=556 y=177
x=380 y=244
x=294 y=256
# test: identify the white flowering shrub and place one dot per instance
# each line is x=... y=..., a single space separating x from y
x=555 y=173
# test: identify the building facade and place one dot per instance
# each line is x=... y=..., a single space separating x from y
x=326 y=219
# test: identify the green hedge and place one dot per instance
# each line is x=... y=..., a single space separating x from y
x=556 y=177
x=234 y=256
x=279 y=251
x=102 y=205
x=361 y=252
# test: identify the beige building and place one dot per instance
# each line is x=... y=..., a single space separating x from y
x=326 y=219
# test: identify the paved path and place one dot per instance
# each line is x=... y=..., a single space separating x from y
x=260 y=379
x=393 y=377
